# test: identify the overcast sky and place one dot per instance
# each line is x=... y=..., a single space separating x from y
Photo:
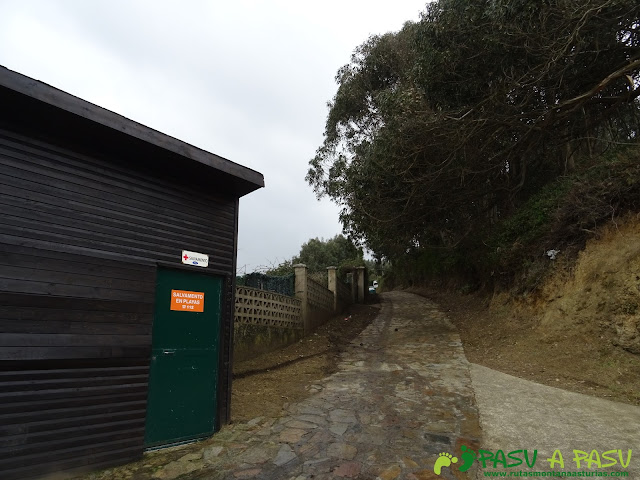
x=247 y=80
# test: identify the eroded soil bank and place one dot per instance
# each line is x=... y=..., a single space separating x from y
x=579 y=332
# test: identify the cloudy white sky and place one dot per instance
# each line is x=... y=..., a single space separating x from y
x=246 y=79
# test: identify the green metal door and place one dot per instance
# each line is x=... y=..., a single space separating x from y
x=183 y=379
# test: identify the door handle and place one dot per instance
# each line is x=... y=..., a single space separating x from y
x=168 y=352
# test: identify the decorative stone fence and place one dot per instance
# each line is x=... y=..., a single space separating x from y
x=266 y=320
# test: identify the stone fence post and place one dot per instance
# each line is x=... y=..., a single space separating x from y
x=332 y=273
x=302 y=292
x=361 y=284
x=354 y=287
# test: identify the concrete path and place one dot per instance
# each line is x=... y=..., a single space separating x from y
x=402 y=396
x=519 y=414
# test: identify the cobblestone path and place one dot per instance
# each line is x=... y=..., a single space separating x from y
x=401 y=397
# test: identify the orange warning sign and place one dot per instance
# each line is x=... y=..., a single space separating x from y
x=187 y=301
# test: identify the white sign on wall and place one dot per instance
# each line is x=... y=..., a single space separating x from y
x=195 y=258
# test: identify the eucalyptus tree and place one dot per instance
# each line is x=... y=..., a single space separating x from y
x=442 y=128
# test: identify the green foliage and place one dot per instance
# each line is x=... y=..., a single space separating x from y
x=318 y=254
x=511 y=253
x=531 y=221
x=282 y=284
x=374 y=269
x=283 y=269
x=426 y=265
x=440 y=133
x=348 y=266
x=561 y=216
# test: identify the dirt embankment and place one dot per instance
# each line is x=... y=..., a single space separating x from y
x=579 y=332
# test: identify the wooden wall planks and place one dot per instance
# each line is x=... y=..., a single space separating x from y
x=80 y=236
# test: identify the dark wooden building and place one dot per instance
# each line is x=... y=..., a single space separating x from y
x=113 y=338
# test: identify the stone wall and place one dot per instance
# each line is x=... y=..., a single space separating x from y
x=320 y=305
x=265 y=321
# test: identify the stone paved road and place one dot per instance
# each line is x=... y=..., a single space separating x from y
x=402 y=395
